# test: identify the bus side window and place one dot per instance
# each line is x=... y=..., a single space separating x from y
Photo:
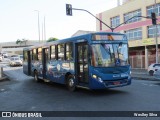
x=25 y=56
x=31 y=52
x=34 y=55
x=69 y=51
x=40 y=54
x=53 y=52
x=61 y=52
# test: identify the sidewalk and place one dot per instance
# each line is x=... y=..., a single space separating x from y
x=3 y=78
x=139 y=74
x=142 y=74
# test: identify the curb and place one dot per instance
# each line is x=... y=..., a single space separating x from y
x=143 y=78
x=4 y=78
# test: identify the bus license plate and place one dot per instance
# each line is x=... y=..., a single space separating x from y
x=116 y=83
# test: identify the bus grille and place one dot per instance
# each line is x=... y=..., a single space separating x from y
x=116 y=82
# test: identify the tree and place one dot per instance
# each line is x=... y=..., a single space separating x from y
x=24 y=41
x=52 y=39
x=21 y=41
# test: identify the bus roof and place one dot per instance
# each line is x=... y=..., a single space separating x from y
x=76 y=38
x=83 y=36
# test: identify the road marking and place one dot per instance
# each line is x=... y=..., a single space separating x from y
x=33 y=107
x=144 y=84
x=2 y=90
x=151 y=85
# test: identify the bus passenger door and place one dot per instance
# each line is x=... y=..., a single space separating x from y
x=29 y=62
x=82 y=62
x=44 y=62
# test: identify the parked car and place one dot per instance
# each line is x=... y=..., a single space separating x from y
x=21 y=57
x=1 y=58
x=14 y=56
x=15 y=61
x=157 y=73
x=152 y=68
x=5 y=55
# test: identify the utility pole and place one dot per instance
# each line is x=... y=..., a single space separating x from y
x=155 y=31
x=38 y=25
x=42 y=33
x=44 y=28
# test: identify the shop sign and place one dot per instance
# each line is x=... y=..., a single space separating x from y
x=148 y=41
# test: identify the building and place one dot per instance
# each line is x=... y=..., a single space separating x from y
x=12 y=48
x=81 y=32
x=125 y=1
x=140 y=31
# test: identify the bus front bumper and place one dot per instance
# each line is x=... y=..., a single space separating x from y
x=110 y=83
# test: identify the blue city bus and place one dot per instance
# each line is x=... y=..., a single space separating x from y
x=96 y=61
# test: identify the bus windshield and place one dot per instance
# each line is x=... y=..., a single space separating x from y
x=106 y=55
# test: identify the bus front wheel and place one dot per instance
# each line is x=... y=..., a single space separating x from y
x=36 y=76
x=71 y=85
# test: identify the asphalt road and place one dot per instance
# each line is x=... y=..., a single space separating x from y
x=21 y=93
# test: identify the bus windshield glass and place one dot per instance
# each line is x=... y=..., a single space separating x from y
x=107 y=55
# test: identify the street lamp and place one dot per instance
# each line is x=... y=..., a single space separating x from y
x=38 y=25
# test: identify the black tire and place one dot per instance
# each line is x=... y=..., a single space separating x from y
x=36 y=76
x=71 y=84
x=151 y=72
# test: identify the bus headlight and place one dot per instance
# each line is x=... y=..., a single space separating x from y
x=97 y=78
x=94 y=76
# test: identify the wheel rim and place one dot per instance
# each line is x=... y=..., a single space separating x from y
x=71 y=82
x=35 y=77
x=151 y=72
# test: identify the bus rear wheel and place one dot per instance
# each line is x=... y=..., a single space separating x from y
x=36 y=76
x=71 y=85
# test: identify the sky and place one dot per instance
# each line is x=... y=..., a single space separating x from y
x=19 y=20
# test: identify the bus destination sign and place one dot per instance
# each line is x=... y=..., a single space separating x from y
x=111 y=37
